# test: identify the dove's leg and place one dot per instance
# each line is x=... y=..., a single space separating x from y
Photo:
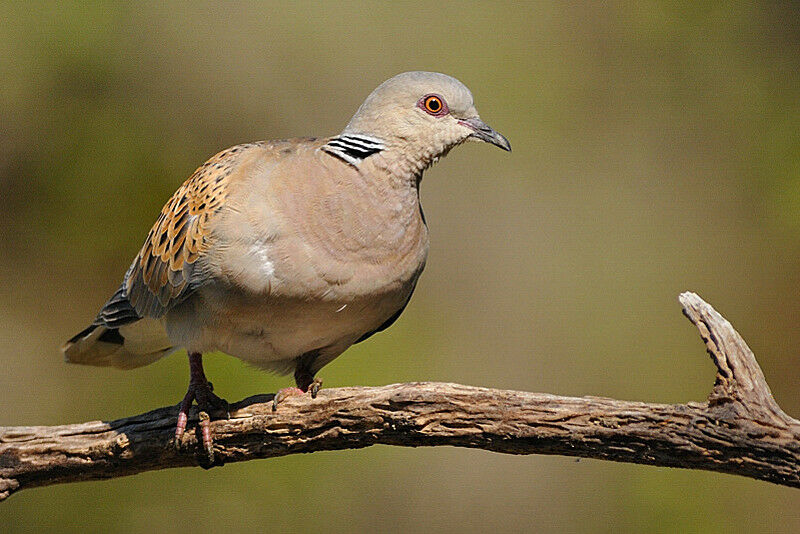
x=200 y=390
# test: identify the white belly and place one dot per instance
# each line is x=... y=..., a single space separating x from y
x=270 y=331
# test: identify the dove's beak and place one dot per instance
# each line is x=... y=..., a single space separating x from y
x=484 y=132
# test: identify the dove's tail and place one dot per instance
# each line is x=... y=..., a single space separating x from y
x=133 y=345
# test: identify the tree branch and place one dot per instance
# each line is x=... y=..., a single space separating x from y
x=740 y=430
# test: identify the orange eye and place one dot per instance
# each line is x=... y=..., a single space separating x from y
x=434 y=105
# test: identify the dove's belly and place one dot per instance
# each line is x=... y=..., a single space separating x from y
x=270 y=331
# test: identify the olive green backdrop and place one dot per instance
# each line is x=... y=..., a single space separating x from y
x=656 y=150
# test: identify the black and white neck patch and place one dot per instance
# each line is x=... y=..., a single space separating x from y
x=353 y=149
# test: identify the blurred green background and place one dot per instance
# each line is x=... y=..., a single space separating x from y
x=656 y=150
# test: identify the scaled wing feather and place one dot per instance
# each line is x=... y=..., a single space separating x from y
x=161 y=276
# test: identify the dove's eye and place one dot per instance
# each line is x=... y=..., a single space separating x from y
x=434 y=105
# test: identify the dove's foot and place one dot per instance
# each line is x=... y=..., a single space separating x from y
x=208 y=403
x=283 y=394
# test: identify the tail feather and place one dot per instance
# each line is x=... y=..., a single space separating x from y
x=127 y=347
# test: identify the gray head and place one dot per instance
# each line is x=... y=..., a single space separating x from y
x=424 y=112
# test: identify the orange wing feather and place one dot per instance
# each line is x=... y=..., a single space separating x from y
x=161 y=274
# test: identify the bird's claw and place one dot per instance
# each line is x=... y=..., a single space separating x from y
x=284 y=394
x=205 y=430
x=207 y=403
x=315 y=387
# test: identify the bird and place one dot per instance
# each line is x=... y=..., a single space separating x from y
x=285 y=253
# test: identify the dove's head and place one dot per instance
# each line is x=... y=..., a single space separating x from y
x=423 y=114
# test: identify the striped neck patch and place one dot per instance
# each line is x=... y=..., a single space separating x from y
x=353 y=149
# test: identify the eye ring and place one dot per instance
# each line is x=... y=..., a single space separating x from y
x=433 y=105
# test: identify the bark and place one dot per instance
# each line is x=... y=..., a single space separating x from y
x=739 y=430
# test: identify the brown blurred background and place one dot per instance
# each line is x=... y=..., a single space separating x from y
x=656 y=150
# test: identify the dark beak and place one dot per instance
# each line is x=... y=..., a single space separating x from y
x=484 y=132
